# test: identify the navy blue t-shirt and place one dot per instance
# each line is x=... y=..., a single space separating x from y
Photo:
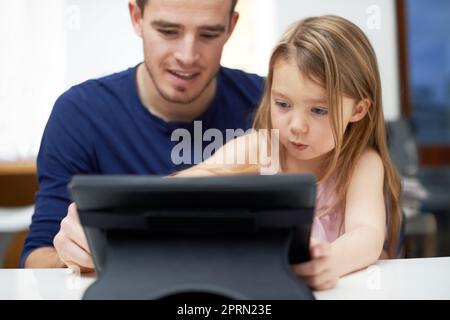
x=102 y=127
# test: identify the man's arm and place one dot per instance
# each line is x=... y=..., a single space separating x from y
x=46 y=257
x=70 y=247
x=66 y=149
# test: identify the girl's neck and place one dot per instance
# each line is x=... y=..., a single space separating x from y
x=313 y=166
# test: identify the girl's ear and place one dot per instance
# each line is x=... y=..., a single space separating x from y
x=360 y=110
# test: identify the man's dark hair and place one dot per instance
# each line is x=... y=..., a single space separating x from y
x=142 y=3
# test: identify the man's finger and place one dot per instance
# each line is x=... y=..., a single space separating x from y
x=76 y=234
x=72 y=230
x=74 y=255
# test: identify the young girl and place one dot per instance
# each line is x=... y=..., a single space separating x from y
x=323 y=100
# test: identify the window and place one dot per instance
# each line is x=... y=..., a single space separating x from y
x=425 y=51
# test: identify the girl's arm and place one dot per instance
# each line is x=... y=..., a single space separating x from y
x=365 y=217
x=235 y=157
x=362 y=242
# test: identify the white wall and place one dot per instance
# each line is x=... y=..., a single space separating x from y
x=255 y=34
x=32 y=69
x=375 y=17
x=49 y=45
x=46 y=46
x=102 y=41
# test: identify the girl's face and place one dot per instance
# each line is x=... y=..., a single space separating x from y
x=300 y=112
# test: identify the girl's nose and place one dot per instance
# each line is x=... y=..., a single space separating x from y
x=299 y=125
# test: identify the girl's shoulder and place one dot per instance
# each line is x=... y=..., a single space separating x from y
x=370 y=159
x=369 y=167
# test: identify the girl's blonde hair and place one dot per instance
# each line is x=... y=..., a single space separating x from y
x=336 y=54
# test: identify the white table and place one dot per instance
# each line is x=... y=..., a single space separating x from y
x=388 y=279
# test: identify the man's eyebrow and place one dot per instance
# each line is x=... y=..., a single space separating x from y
x=214 y=28
x=164 y=24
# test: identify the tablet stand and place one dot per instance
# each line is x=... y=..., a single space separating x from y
x=237 y=266
x=232 y=237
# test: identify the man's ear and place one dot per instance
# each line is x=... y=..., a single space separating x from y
x=360 y=110
x=233 y=21
x=136 y=17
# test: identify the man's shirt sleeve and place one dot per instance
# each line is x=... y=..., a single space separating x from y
x=65 y=150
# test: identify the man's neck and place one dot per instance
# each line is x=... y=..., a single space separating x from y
x=166 y=110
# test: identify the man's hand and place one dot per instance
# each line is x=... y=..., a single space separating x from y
x=71 y=244
x=319 y=273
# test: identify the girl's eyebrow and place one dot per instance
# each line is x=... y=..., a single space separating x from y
x=317 y=101
x=277 y=93
x=320 y=100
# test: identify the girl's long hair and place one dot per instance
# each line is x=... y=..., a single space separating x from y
x=336 y=54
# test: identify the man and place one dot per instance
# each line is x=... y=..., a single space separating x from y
x=122 y=124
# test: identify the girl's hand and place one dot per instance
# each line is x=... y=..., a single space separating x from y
x=319 y=273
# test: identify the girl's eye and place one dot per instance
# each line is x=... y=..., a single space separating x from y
x=320 y=111
x=282 y=104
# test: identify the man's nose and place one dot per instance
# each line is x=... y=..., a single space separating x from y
x=187 y=53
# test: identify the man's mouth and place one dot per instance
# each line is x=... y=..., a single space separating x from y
x=184 y=75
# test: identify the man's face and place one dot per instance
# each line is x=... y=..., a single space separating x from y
x=183 y=43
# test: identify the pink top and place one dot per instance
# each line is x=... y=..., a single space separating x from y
x=325 y=226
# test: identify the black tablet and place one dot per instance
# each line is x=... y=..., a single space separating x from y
x=196 y=206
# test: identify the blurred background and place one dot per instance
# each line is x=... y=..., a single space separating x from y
x=47 y=46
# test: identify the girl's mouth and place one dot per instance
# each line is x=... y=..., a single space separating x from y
x=298 y=145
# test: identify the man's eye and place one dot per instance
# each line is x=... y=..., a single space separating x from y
x=209 y=36
x=320 y=111
x=168 y=32
x=282 y=104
